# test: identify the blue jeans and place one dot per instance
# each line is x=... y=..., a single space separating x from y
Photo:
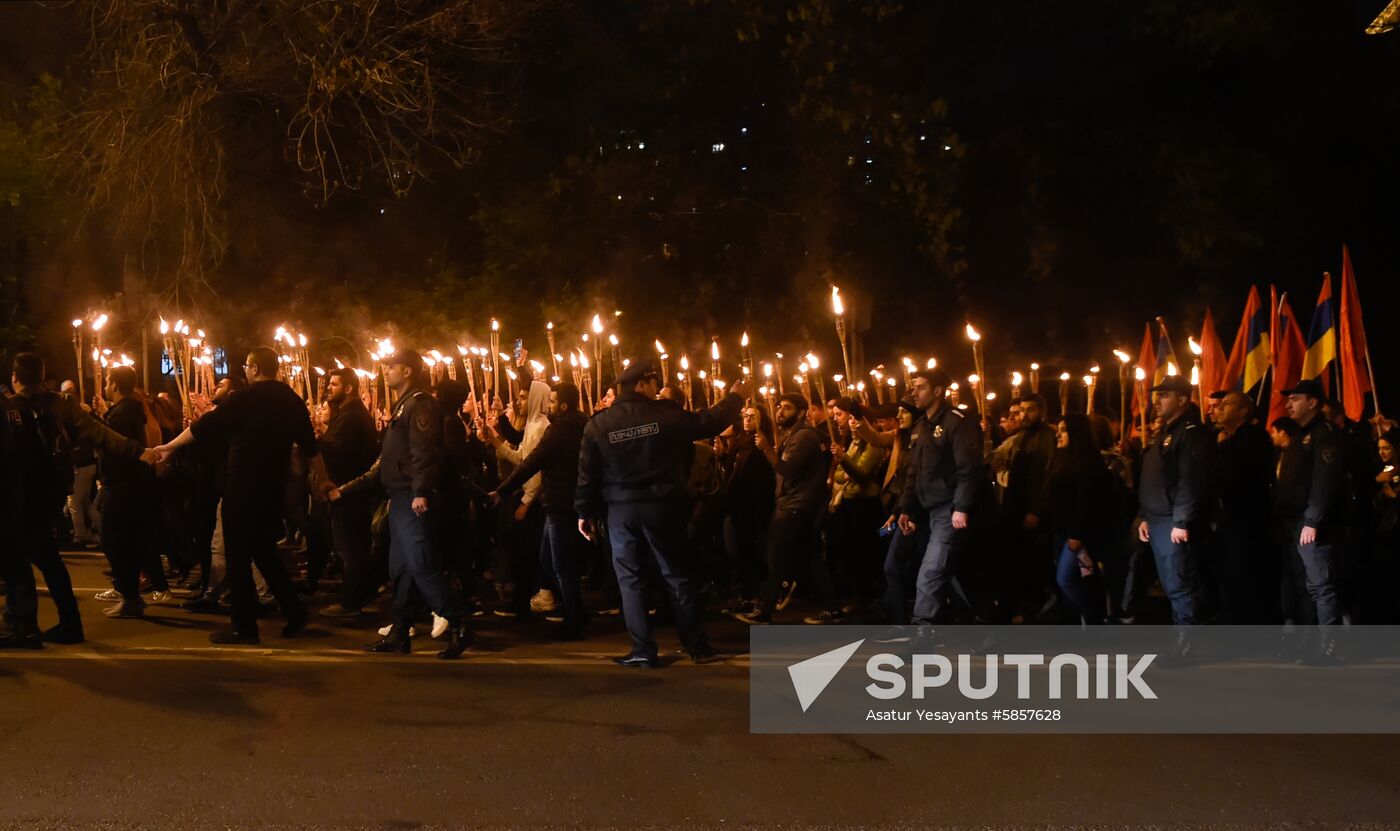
x=1177 y=568
x=1076 y=586
x=935 y=570
x=558 y=564
x=412 y=566
x=897 y=555
x=662 y=527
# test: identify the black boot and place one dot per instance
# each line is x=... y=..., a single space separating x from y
x=66 y=632
x=26 y=637
x=459 y=638
x=396 y=641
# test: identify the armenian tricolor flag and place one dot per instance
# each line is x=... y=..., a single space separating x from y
x=1322 y=336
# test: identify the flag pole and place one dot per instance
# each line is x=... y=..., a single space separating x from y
x=1371 y=373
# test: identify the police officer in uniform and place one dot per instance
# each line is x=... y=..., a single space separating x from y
x=1313 y=480
x=1173 y=504
x=635 y=460
x=945 y=478
x=409 y=468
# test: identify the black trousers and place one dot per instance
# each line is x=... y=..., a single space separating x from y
x=250 y=536
x=351 y=532
x=792 y=534
x=127 y=519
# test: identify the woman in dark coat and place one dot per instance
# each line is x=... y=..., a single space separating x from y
x=1073 y=507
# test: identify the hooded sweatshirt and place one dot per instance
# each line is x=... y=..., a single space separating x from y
x=536 y=422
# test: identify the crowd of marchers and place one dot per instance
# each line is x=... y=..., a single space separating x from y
x=776 y=511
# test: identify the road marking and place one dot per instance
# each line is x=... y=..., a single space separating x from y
x=320 y=656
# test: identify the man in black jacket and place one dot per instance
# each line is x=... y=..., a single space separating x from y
x=1173 y=498
x=556 y=458
x=945 y=478
x=801 y=469
x=409 y=468
x=634 y=459
x=128 y=507
x=1312 y=483
x=350 y=445
x=259 y=425
x=43 y=426
x=1244 y=483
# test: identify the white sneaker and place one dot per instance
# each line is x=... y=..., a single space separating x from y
x=439 y=626
x=108 y=596
x=543 y=601
x=385 y=630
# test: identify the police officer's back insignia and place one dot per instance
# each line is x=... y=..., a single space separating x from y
x=630 y=433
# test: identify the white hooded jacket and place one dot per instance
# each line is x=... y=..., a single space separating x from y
x=536 y=422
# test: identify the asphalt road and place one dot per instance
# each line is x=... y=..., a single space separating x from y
x=148 y=726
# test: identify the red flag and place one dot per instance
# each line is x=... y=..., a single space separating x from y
x=1147 y=362
x=1288 y=351
x=1356 y=358
x=1234 y=368
x=1212 y=357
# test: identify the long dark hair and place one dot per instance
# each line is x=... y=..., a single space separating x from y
x=1082 y=450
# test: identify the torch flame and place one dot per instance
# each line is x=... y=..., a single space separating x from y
x=495 y=325
x=549 y=327
x=1140 y=374
x=1195 y=347
x=1171 y=369
x=972 y=334
x=612 y=339
x=301 y=339
x=573 y=360
x=1035 y=366
x=836 y=305
x=1121 y=356
x=1064 y=376
x=660 y=350
x=714 y=350
x=744 y=341
x=99 y=323
x=597 y=325
x=1016 y=379
x=932 y=362
x=974 y=379
x=812 y=361
x=908 y=363
x=77 y=323
x=685 y=362
x=164 y=327
x=803 y=368
x=319 y=371
x=767 y=370
x=1088 y=380
x=461 y=350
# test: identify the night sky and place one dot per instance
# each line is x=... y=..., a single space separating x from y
x=1081 y=168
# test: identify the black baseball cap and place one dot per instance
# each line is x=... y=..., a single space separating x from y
x=1310 y=387
x=407 y=357
x=637 y=371
x=1173 y=383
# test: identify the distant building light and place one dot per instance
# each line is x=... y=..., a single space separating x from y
x=641 y=145
x=717 y=147
x=743 y=131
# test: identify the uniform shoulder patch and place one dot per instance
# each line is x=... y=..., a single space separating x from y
x=421 y=420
